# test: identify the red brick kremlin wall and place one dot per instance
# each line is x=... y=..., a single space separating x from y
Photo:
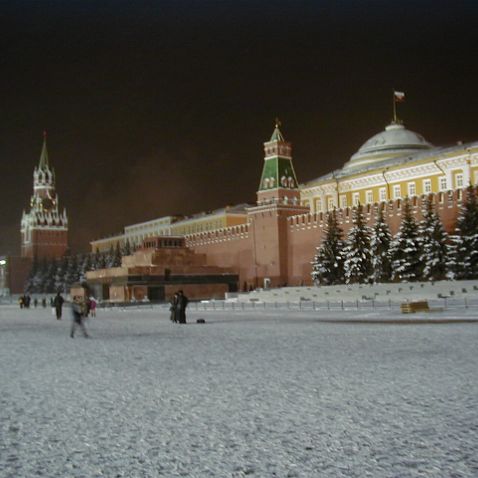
x=235 y=246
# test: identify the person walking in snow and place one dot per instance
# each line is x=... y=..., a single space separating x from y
x=78 y=309
x=58 y=304
x=92 y=306
x=182 y=304
x=173 y=308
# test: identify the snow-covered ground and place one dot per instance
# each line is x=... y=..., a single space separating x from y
x=263 y=393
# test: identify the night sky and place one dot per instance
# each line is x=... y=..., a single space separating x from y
x=161 y=107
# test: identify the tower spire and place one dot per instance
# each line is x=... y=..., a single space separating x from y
x=44 y=154
x=277 y=135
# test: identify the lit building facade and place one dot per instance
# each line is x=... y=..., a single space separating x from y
x=44 y=228
x=274 y=241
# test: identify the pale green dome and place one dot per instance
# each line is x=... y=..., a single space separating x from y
x=393 y=142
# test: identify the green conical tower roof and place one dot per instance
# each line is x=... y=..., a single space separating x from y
x=44 y=155
x=278 y=171
x=277 y=135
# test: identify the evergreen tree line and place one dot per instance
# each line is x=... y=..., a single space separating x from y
x=58 y=275
x=420 y=251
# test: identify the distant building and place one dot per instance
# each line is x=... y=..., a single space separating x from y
x=44 y=229
x=135 y=234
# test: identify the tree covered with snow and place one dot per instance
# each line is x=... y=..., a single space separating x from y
x=465 y=240
x=405 y=250
x=435 y=248
x=380 y=241
x=327 y=266
x=126 y=249
x=356 y=251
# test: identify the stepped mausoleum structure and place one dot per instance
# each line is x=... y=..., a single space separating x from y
x=273 y=242
x=162 y=266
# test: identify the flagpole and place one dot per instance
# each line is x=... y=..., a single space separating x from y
x=394 y=107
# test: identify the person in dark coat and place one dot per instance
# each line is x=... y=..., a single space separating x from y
x=78 y=309
x=182 y=304
x=58 y=304
x=174 y=308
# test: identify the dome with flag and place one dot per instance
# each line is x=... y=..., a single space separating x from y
x=393 y=142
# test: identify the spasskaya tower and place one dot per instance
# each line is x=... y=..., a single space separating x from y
x=44 y=229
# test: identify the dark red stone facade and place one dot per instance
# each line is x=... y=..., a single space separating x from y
x=279 y=245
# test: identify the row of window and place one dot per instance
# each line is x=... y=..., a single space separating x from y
x=396 y=193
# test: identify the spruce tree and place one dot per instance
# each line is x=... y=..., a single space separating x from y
x=116 y=262
x=405 y=248
x=465 y=240
x=328 y=267
x=356 y=251
x=97 y=260
x=126 y=248
x=60 y=275
x=435 y=251
x=110 y=257
x=49 y=279
x=380 y=249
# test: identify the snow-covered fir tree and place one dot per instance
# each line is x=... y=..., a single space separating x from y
x=435 y=248
x=356 y=251
x=327 y=266
x=72 y=273
x=380 y=240
x=126 y=250
x=62 y=266
x=465 y=240
x=33 y=272
x=405 y=250
x=48 y=284
x=116 y=260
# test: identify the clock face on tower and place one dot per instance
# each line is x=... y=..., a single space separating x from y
x=47 y=203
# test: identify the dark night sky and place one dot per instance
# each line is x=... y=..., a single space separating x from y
x=161 y=107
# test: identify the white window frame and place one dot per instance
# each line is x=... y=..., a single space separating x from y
x=318 y=205
x=476 y=177
x=459 y=181
x=330 y=204
x=355 y=199
x=397 y=187
x=343 y=201
x=442 y=183
x=382 y=194
x=412 y=189
x=427 y=186
x=369 y=197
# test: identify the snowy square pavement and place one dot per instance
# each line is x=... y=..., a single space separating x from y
x=272 y=394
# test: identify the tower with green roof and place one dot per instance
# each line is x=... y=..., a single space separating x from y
x=278 y=180
x=278 y=198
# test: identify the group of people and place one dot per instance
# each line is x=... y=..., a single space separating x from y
x=178 y=302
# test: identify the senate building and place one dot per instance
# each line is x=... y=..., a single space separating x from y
x=273 y=241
